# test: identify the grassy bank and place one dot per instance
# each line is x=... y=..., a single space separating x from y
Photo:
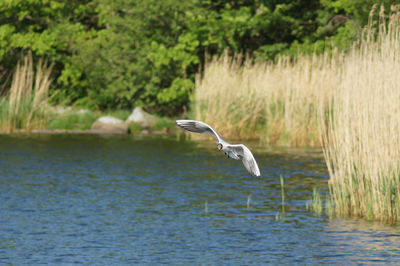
x=70 y=118
x=348 y=103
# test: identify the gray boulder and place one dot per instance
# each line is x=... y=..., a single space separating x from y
x=109 y=125
x=142 y=118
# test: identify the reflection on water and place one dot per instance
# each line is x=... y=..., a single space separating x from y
x=347 y=239
x=125 y=200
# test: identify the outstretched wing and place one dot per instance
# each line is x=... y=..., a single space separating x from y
x=198 y=127
x=247 y=158
x=235 y=151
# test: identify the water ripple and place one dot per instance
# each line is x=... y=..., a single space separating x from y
x=124 y=200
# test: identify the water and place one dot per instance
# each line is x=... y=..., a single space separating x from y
x=126 y=200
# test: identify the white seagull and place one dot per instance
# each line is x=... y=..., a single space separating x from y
x=234 y=151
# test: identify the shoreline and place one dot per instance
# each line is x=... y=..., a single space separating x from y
x=144 y=132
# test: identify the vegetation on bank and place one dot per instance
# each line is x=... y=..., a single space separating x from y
x=82 y=119
x=26 y=105
x=120 y=54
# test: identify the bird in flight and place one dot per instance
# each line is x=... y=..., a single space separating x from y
x=234 y=151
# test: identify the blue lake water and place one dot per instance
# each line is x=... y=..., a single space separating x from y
x=70 y=199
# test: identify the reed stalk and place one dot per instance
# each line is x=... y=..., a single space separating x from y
x=315 y=204
x=283 y=194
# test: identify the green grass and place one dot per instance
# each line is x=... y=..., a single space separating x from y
x=134 y=128
x=72 y=120
x=120 y=114
x=3 y=113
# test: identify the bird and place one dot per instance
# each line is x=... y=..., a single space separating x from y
x=234 y=151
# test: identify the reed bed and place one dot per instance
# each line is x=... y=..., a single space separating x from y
x=362 y=140
x=25 y=104
x=276 y=103
x=347 y=102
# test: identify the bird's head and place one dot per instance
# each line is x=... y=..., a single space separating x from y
x=219 y=145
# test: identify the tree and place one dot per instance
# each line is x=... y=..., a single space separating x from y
x=47 y=28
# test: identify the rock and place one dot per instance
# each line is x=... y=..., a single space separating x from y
x=139 y=116
x=109 y=125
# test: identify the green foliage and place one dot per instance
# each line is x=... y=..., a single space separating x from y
x=49 y=29
x=137 y=55
x=120 y=54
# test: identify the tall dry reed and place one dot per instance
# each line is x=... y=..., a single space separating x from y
x=25 y=104
x=362 y=140
x=274 y=102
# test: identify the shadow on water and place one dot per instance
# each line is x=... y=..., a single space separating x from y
x=124 y=199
